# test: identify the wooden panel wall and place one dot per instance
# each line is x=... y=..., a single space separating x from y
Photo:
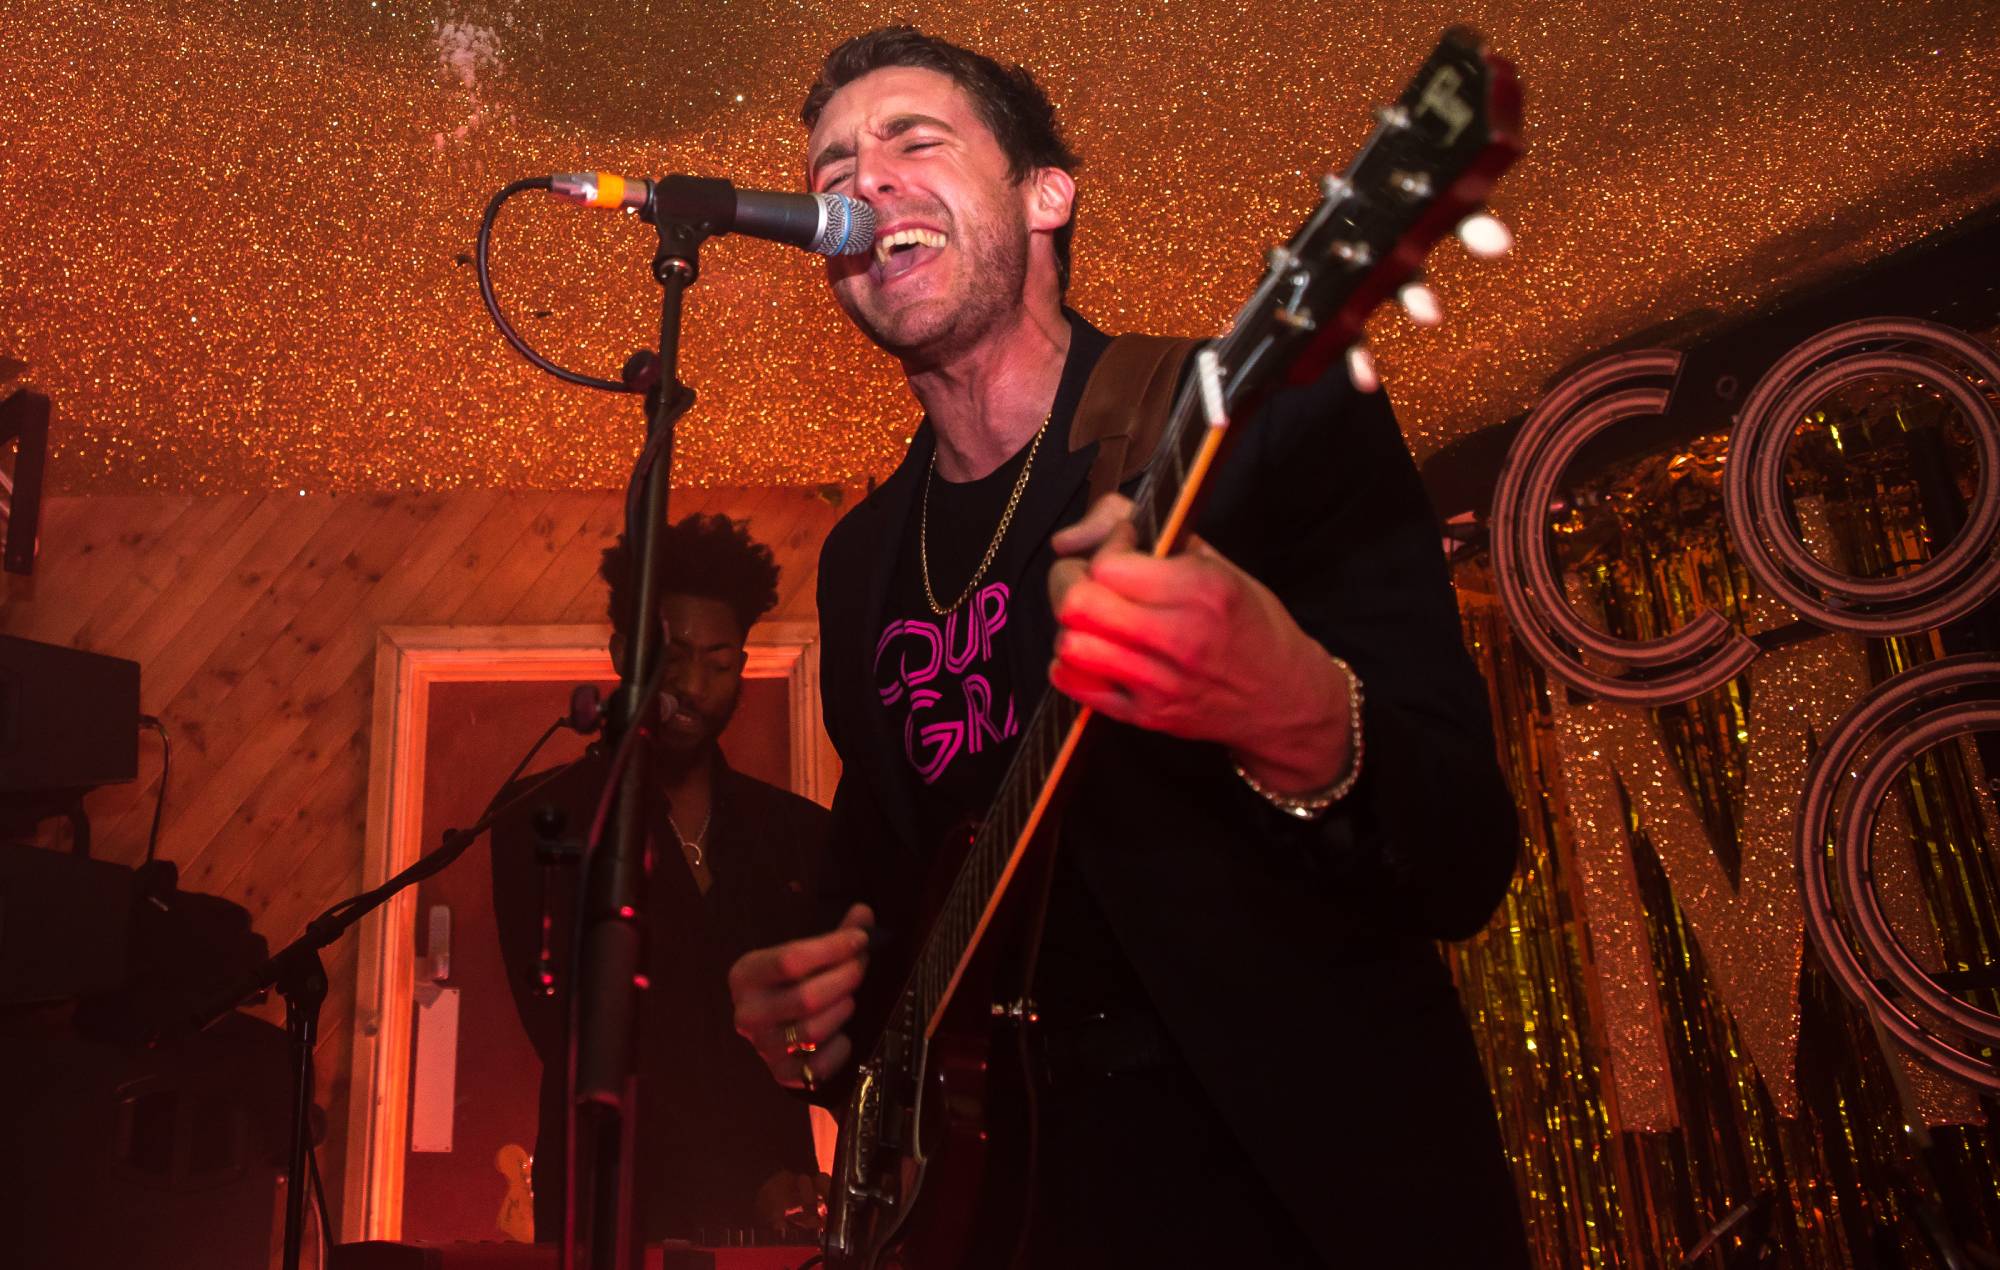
x=254 y=621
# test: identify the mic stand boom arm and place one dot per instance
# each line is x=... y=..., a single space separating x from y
x=297 y=973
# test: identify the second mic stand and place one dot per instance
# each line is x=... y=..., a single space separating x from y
x=599 y=1219
x=299 y=976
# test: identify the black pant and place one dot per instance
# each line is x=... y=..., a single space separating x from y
x=1137 y=1169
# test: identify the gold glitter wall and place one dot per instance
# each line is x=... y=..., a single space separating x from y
x=1663 y=1042
x=232 y=241
x=234 y=247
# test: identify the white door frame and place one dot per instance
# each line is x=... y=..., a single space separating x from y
x=408 y=661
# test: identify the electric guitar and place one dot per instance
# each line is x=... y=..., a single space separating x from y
x=935 y=1154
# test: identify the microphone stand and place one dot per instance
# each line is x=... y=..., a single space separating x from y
x=298 y=975
x=600 y=1226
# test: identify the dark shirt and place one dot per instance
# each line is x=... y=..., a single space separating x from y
x=945 y=680
x=713 y=1126
x=948 y=686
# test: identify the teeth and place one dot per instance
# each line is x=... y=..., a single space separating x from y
x=920 y=237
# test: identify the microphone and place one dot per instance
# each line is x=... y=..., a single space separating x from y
x=587 y=708
x=830 y=224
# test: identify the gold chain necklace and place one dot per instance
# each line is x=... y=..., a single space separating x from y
x=694 y=846
x=992 y=548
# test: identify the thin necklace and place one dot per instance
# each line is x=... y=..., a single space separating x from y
x=694 y=844
x=992 y=548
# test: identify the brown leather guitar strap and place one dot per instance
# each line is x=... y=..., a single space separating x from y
x=1125 y=406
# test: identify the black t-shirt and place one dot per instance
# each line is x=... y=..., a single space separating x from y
x=948 y=687
x=946 y=680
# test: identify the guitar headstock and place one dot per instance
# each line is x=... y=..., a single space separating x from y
x=1428 y=166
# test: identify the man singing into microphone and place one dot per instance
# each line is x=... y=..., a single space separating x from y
x=1252 y=1052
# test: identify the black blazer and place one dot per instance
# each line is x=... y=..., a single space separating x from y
x=713 y=1126
x=1295 y=964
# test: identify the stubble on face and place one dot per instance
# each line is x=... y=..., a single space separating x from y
x=980 y=281
x=988 y=286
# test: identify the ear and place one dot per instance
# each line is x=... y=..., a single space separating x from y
x=1050 y=196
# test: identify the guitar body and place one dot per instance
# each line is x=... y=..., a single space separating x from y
x=935 y=1168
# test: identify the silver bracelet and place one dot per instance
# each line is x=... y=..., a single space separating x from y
x=1313 y=805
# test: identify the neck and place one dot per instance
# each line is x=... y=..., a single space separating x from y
x=687 y=780
x=986 y=401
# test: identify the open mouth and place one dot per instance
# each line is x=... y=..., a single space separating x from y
x=905 y=250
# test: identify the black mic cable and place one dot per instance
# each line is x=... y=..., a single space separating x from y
x=482 y=254
x=830 y=224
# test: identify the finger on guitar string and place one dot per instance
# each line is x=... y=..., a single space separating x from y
x=1117 y=697
x=1092 y=607
x=765 y=1012
x=1101 y=695
x=1107 y=526
x=1141 y=672
x=763 y=969
x=1097 y=525
x=1198 y=577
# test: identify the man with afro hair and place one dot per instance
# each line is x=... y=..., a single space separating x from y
x=723 y=1155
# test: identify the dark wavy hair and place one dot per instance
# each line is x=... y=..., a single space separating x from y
x=710 y=556
x=1008 y=99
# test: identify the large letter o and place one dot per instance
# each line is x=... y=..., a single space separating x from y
x=1904 y=716
x=1704 y=654
x=1960 y=579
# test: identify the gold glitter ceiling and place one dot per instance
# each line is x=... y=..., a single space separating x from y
x=234 y=238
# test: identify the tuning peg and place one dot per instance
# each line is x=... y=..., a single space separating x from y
x=1208 y=376
x=1353 y=253
x=1421 y=303
x=1393 y=116
x=1361 y=368
x=1485 y=236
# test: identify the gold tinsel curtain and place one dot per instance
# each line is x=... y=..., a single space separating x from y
x=1662 y=1041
